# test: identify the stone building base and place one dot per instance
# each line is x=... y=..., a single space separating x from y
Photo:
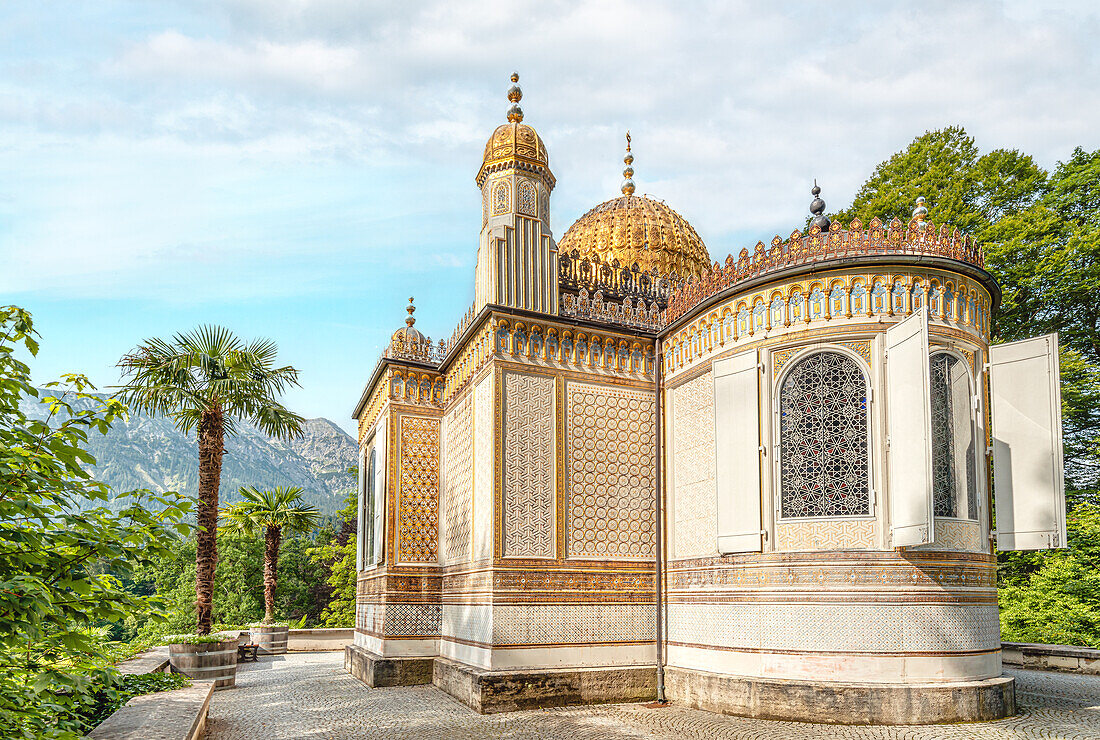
x=488 y=692
x=375 y=671
x=842 y=703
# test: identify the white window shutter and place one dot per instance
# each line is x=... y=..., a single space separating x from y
x=379 y=492
x=909 y=431
x=361 y=505
x=737 y=452
x=1027 y=444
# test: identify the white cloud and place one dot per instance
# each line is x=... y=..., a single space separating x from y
x=176 y=138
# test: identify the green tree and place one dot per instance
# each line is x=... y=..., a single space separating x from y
x=63 y=554
x=272 y=512
x=206 y=381
x=337 y=557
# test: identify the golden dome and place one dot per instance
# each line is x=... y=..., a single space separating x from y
x=515 y=144
x=515 y=140
x=636 y=229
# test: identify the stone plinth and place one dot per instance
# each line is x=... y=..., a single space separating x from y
x=489 y=692
x=375 y=670
x=169 y=715
x=843 y=703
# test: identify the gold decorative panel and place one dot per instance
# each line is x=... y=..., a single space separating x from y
x=418 y=475
x=610 y=467
x=528 y=465
x=861 y=347
x=484 y=465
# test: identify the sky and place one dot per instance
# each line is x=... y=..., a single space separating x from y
x=296 y=169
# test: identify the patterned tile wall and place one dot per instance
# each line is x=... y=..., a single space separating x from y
x=610 y=441
x=841 y=627
x=957 y=535
x=522 y=624
x=369 y=617
x=458 y=479
x=418 y=475
x=529 y=465
x=839 y=534
x=412 y=620
x=472 y=622
x=484 y=456
x=695 y=498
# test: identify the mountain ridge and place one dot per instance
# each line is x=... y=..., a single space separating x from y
x=145 y=451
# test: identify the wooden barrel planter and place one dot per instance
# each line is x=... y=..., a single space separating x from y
x=208 y=661
x=271 y=639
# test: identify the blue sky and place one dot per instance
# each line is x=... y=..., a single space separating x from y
x=298 y=169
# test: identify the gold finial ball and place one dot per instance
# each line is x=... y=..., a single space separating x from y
x=515 y=94
x=515 y=77
x=628 y=185
x=515 y=113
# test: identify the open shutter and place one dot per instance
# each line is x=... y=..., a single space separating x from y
x=737 y=452
x=1027 y=444
x=379 y=492
x=361 y=508
x=909 y=432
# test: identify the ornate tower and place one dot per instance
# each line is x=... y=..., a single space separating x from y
x=517 y=259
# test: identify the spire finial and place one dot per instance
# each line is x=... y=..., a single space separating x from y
x=515 y=94
x=920 y=212
x=409 y=320
x=628 y=171
x=817 y=209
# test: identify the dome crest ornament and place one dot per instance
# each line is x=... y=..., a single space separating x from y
x=817 y=209
x=628 y=171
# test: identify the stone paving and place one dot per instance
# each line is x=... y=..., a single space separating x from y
x=308 y=696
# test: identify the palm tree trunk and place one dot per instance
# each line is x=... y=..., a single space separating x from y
x=211 y=448
x=272 y=535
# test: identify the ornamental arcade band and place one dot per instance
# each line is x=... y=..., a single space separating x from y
x=750 y=486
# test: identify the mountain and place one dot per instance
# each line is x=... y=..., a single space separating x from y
x=149 y=452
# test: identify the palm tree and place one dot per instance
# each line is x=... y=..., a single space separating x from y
x=206 y=381
x=272 y=511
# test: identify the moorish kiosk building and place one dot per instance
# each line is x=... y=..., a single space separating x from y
x=761 y=486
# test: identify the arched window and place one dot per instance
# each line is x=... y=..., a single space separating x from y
x=823 y=433
x=368 y=509
x=953 y=486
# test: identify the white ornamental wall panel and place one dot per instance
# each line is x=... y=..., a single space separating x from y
x=484 y=467
x=844 y=626
x=1027 y=444
x=737 y=452
x=909 y=432
x=528 y=465
x=610 y=467
x=694 y=497
x=458 y=480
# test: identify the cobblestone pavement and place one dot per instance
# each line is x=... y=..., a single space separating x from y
x=308 y=696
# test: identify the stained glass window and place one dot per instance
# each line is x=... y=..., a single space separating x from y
x=823 y=432
x=953 y=493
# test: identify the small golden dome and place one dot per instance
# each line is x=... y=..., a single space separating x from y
x=515 y=144
x=515 y=141
x=637 y=229
x=407 y=335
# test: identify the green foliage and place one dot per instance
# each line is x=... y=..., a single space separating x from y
x=1059 y=602
x=337 y=556
x=108 y=700
x=64 y=556
x=210 y=366
x=281 y=507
